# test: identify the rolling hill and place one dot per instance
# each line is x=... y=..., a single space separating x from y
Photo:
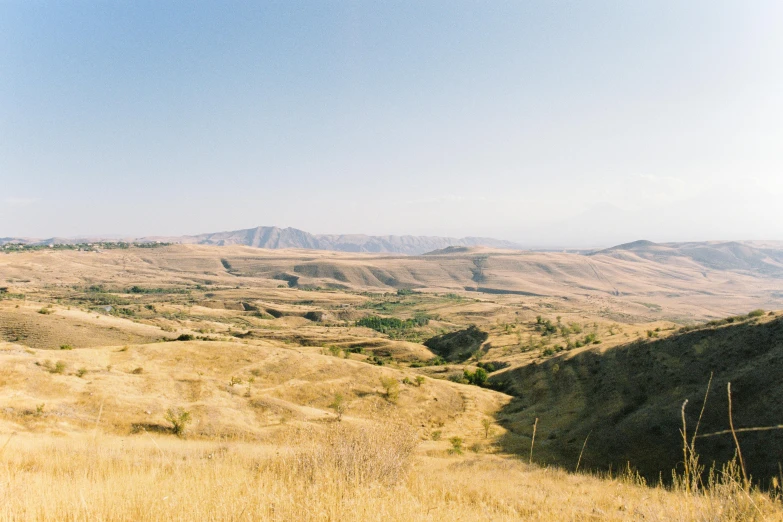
x=627 y=400
x=764 y=258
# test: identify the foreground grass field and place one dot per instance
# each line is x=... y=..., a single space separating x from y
x=341 y=474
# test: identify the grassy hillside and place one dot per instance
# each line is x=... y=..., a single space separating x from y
x=628 y=400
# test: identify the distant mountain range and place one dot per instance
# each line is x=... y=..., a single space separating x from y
x=764 y=257
x=276 y=238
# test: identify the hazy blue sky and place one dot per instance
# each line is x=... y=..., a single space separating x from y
x=546 y=122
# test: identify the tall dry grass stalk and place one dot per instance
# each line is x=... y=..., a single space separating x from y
x=745 y=481
x=533 y=441
x=692 y=470
x=584 y=445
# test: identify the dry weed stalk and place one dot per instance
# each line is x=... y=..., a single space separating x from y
x=533 y=440
x=579 y=461
x=745 y=481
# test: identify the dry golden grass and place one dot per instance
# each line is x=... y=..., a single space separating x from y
x=344 y=475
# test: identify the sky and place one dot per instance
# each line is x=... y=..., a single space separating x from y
x=551 y=123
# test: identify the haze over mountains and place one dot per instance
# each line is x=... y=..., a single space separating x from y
x=761 y=257
x=276 y=238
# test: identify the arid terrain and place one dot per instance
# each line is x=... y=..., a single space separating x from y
x=198 y=382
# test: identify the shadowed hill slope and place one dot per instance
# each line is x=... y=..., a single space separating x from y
x=627 y=400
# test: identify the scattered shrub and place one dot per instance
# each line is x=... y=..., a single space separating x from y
x=338 y=405
x=486 y=423
x=391 y=387
x=479 y=377
x=456 y=445
x=179 y=419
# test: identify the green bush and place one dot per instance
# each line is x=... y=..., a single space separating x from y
x=179 y=419
x=757 y=313
x=393 y=325
x=479 y=377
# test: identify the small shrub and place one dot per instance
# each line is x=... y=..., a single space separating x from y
x=81 y=372
x=391 y=387
x=179 y=419
x=338 y=405
x=479 y=377
x=419 y=380
x=456 y=445
x=250 y=381
x=436 y=435
x=757 y=313
x=185 y=337
x=59 y=367
x=460 y=379
x=486 y=423
x=66 y=347
x=45 y=311
x=138 y=371
x=39 y=409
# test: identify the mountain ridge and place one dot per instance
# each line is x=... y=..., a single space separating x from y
x=277 y=238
